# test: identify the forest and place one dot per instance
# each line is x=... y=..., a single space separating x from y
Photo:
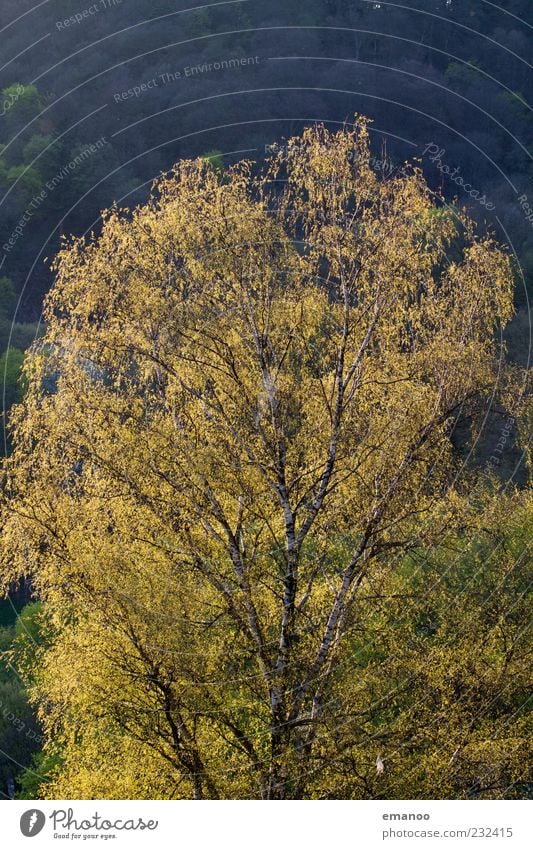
x=265 y=501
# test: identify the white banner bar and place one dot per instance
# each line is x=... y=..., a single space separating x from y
x=266 y=825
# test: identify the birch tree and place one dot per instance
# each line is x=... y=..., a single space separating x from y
x=239 y=421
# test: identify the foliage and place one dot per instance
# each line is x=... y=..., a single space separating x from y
x=20 y=104
x=215 y=159
x=10 y=368
x=14 y=338
x=455 y=50
x=231 y=501
x=31 y=779
x=20 y=734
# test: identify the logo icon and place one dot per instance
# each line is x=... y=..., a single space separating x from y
x=32 y=822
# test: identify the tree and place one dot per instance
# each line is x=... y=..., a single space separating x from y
x=256 y=380
x=20 y=736
x=215 y=159
x=19 y=104
x=10 y=375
